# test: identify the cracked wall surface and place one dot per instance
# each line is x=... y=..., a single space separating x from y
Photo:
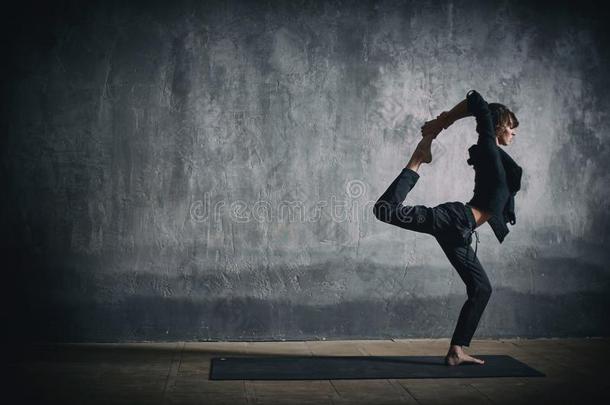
x=202 y=171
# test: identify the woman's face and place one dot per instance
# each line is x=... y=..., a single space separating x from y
x=505 y=134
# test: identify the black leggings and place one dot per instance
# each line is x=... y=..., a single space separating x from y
x=452 y=224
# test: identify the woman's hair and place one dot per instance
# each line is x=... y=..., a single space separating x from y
x=502 y=116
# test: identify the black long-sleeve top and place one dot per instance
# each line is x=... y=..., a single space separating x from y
x=497 y=177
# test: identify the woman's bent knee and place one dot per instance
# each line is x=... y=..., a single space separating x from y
x=482 y=292
x=485 y=292
x=382 y=211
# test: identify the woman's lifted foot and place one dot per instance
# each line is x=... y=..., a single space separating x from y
x=422 y=153
x=423 y=148
x=456 y=356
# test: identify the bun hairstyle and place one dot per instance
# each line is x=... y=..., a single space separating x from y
x=501 y=116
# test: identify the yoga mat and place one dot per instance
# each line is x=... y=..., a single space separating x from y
x=362 y=367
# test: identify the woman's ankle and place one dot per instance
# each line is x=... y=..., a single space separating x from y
x=455 y=349
x=414 y=163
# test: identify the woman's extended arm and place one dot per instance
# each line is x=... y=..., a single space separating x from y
x=456 y=113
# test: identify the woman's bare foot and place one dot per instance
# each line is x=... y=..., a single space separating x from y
x=423 y=148
x=456 y=356
x=422 y=153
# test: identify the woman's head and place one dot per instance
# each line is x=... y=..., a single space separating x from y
x=505 y=122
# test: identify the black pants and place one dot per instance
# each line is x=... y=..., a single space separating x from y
x=452 y=224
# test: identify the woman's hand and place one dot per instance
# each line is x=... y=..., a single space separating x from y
x=435 y=126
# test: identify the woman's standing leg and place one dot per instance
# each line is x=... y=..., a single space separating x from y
x=478 y=289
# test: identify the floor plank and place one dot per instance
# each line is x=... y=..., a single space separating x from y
x=178 y=373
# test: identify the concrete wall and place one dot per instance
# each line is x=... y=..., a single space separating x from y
x=207 y=171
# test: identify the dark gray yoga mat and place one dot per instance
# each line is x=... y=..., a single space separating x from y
x=362 y=367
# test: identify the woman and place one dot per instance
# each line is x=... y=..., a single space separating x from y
x=497 y=180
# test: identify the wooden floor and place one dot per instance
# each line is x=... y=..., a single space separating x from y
x=168 y=373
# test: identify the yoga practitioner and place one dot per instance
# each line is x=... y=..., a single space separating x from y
x=497 y=180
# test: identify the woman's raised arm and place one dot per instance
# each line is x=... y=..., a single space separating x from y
x=445 y=119
x=458 y=112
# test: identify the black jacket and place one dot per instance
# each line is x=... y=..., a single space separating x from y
x=497 y=176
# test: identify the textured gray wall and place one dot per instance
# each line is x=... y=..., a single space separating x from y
x=207 y=171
